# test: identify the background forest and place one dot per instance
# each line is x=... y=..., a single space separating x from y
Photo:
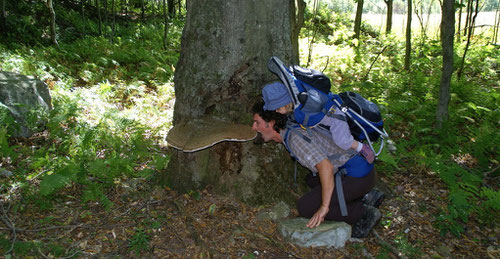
x=110 y=64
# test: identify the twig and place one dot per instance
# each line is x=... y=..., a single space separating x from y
x=10 y=224
x=489 y=172
x=43 y=255
x=385 y=244
x=373 y=62
x=37 y=229
x=326 y=65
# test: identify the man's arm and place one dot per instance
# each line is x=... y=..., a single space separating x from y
x=325 y=170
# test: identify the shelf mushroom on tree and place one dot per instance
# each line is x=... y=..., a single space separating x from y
x=199 y=134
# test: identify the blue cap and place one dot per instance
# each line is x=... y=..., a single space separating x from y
x=275 y=96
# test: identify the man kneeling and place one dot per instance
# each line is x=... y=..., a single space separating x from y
x=323 y=158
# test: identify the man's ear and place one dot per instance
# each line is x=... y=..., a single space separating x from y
x=272 y=123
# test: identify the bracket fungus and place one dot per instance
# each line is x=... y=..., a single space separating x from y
x=198 y=134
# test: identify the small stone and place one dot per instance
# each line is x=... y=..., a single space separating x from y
x=279 y=211
x=329 y=233
x=5 y=173
x=444 y=251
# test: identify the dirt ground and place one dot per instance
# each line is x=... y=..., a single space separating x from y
x=148 y=221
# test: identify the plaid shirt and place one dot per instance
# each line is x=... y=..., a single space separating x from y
x=321 y=146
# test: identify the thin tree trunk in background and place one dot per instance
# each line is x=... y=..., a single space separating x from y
x=469 y=36
x=99 y=16
x=357 y=20
x=52 y=22
x=3 y=18
x=179 y=4
x=497 y=25
x=408 y=38
x=459 y=20
x=114 y=20
x=142 y=9
x=468 y=17
x=447 y=36
x=296 y=23
x=419 y=12
x=105 y=7
x=171 y=8
x=315 y=31
x=153 y=11
x=388 y=26
x=165 y=25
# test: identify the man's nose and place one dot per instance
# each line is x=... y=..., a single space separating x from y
x=254 y=126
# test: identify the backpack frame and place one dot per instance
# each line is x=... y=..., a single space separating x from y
x=312 y=104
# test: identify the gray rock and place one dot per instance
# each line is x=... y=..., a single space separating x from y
x=444 y=251
x=19 y=94
x=329 y=233
x=5 y=173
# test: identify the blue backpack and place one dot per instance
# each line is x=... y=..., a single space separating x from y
x=312 y=99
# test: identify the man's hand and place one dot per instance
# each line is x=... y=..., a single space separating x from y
x=318 y=217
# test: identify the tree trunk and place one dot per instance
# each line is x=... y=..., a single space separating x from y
x=447 y=35
x=3 y=18
x=99 y=16
x=105 y=7
x=296 y=23
x=408 y=38
x=468 y=17
x=165 y=24
x=114 y=20
x=52 y=13
x=459 y=20
x=171 y=8
x=142 y=9
x=497 y=25
x=388 y=26
x=469 y=37
x=225 y=47
x=357 y=20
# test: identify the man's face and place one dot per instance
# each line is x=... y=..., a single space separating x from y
x=264 y=128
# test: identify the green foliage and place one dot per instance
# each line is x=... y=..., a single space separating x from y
x=467 y=144
x=139 y=241
x=406 y=247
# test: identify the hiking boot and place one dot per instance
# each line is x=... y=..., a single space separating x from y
x=374 y=198
x=367 y=152
x=366 y=223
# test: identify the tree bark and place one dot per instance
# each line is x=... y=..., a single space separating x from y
x=142 y=9
x=98 y=6
x=52 y=13
x=296 y=23
x=497 y=25
x=225 y=47
x=165 y=24
x=447 y=35
x=388 y=26
x=470 y=31
x=3 y=18
x=171 y=8
x=357 y=20
x=408 y=37
x=114 y=20
x=459 y=20
x=468 y=17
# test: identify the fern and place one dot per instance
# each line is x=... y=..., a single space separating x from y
x=58 y=179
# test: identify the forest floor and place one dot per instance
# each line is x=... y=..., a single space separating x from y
x=149 y=221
